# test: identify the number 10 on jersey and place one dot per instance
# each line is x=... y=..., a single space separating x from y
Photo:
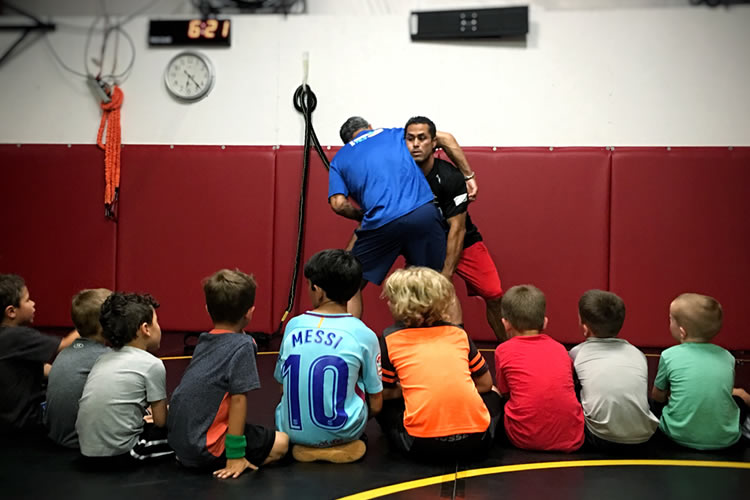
x=318 y=398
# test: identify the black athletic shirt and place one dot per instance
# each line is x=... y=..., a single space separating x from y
x=23 y=352
x=449 y=187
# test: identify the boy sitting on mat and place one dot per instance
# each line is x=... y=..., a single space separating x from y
x=613 y=376
x=24 y=357
x=329 y=366
x=207 y=418
x=122 y=385
x=535 y=373
x=439 y=400
x=72 y=366
x=695 y=379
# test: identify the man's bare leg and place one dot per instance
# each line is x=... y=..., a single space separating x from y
x=494 y=318
x=455 y=315
x=355 y=307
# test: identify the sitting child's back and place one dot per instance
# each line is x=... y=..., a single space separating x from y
x=536 y=373
x=697 y=377
x=208 y=416
x=422 y=358
x=613 y=375
x=329 y=366
x=223 y=363
x=72 y=366
x=123 y=383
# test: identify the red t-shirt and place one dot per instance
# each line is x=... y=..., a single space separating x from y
x=543 y=412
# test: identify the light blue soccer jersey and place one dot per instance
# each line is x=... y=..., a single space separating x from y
x=327 y=362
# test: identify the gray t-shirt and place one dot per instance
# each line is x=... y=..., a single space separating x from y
x=223 y=364
x=65 y=386
x=118 y=390
x=614 y=390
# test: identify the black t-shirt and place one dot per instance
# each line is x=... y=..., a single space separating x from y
x=23 y=352
x=449 y=187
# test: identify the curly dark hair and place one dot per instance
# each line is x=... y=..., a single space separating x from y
x=123 y=314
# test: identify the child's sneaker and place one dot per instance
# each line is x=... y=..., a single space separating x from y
x=340 y=454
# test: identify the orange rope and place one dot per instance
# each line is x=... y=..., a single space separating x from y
x=111 y=121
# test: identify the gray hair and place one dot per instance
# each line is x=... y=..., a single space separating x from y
x=350 y=126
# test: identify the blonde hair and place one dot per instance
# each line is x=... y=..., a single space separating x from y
x=700 y=315
x=86 y=308
x=419 y=296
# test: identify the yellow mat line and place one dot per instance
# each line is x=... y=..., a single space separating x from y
x=428 y=481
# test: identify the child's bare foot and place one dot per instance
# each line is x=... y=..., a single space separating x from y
x=340 y=454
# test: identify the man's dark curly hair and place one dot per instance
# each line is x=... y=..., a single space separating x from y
x=123 y=314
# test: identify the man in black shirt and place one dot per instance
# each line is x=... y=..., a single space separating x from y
x=466 y=253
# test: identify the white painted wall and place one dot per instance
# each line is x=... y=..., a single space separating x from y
x=637 y=76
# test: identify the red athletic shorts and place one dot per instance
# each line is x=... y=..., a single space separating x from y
x=479 y=272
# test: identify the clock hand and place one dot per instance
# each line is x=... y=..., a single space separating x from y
x=191 y=78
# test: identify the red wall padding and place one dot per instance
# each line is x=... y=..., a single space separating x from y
x=54 y=231
x=187 y=212
x=679 y=224
x=645 y=222
x=544 y=217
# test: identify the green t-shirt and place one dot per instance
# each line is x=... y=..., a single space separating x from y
x=700 y=413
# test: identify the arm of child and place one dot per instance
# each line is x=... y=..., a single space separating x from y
x=392 y=392
x=658 y=395
x=237 y=415
x=374 y=403
x=661 y=380
x=159 y=413
x=483 y=382
x=742 y=394
x=68 y=340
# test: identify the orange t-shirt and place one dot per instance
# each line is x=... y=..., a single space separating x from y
x=435 y=366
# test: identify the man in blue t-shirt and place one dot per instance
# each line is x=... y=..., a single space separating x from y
x=376 y=170
x=329 y=367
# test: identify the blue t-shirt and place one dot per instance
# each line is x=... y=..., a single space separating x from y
x=377 y=171
x=326 y=363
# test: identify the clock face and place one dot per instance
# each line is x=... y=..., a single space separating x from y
x=189 y=76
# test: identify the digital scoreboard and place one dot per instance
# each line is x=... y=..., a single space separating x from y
x=190 y=33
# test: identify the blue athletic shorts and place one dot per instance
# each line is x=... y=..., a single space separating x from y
x=419 y=236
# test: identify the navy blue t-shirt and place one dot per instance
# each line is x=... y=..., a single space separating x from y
x=377 y=171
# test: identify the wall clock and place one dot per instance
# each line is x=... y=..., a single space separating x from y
x=189 y=76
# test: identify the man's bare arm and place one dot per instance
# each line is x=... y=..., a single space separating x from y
x=343 y=207
x=455 y=243
x=457 y=156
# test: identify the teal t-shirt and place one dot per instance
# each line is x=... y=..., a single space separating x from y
x=701 y=413
x=327 y=362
